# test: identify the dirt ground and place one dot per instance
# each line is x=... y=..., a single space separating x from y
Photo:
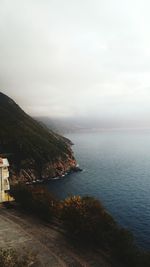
x=48 y=242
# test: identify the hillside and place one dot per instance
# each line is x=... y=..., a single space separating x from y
x=32 y=149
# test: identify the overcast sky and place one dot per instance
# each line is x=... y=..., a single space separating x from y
x=88 y=58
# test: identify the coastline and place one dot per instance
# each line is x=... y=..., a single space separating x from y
x=46 y=180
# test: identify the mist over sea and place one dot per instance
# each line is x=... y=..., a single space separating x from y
x=116 y=170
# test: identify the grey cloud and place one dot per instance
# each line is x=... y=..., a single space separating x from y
x=77 y=58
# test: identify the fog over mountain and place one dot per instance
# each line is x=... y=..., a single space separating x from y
x=71 y=60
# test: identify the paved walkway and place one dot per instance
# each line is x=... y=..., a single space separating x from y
x=26 y=233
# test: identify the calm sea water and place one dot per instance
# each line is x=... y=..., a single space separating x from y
x=116 y=170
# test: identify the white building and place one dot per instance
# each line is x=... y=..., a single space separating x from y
x=4 y=182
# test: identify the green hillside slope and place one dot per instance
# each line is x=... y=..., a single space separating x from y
x=29 y=144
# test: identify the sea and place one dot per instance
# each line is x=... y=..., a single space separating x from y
x=116 y=170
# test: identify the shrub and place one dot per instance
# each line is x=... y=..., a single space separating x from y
x=35 y=199
x=22 y=194
x=43 y=203
x=87 y=219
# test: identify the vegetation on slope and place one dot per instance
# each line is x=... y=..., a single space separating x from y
x=87 y=222
x=24 y=139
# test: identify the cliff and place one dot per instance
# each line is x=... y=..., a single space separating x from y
x=34 y=151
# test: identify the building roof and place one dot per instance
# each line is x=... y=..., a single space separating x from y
x=4 y=162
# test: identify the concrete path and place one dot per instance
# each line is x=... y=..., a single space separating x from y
x=27 y=233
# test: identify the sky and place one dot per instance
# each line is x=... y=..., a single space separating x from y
x=83 y=58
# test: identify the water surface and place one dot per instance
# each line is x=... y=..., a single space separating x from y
x=116 y=171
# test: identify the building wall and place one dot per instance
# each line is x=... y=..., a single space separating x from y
x=4 y=183
x=4 y=197
x=5 y=172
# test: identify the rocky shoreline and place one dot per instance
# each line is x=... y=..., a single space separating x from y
x=45 y=181
x=50 y=171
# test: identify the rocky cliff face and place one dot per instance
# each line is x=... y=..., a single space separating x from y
x=49 y=170
x=57 y=168
x=34 y=152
